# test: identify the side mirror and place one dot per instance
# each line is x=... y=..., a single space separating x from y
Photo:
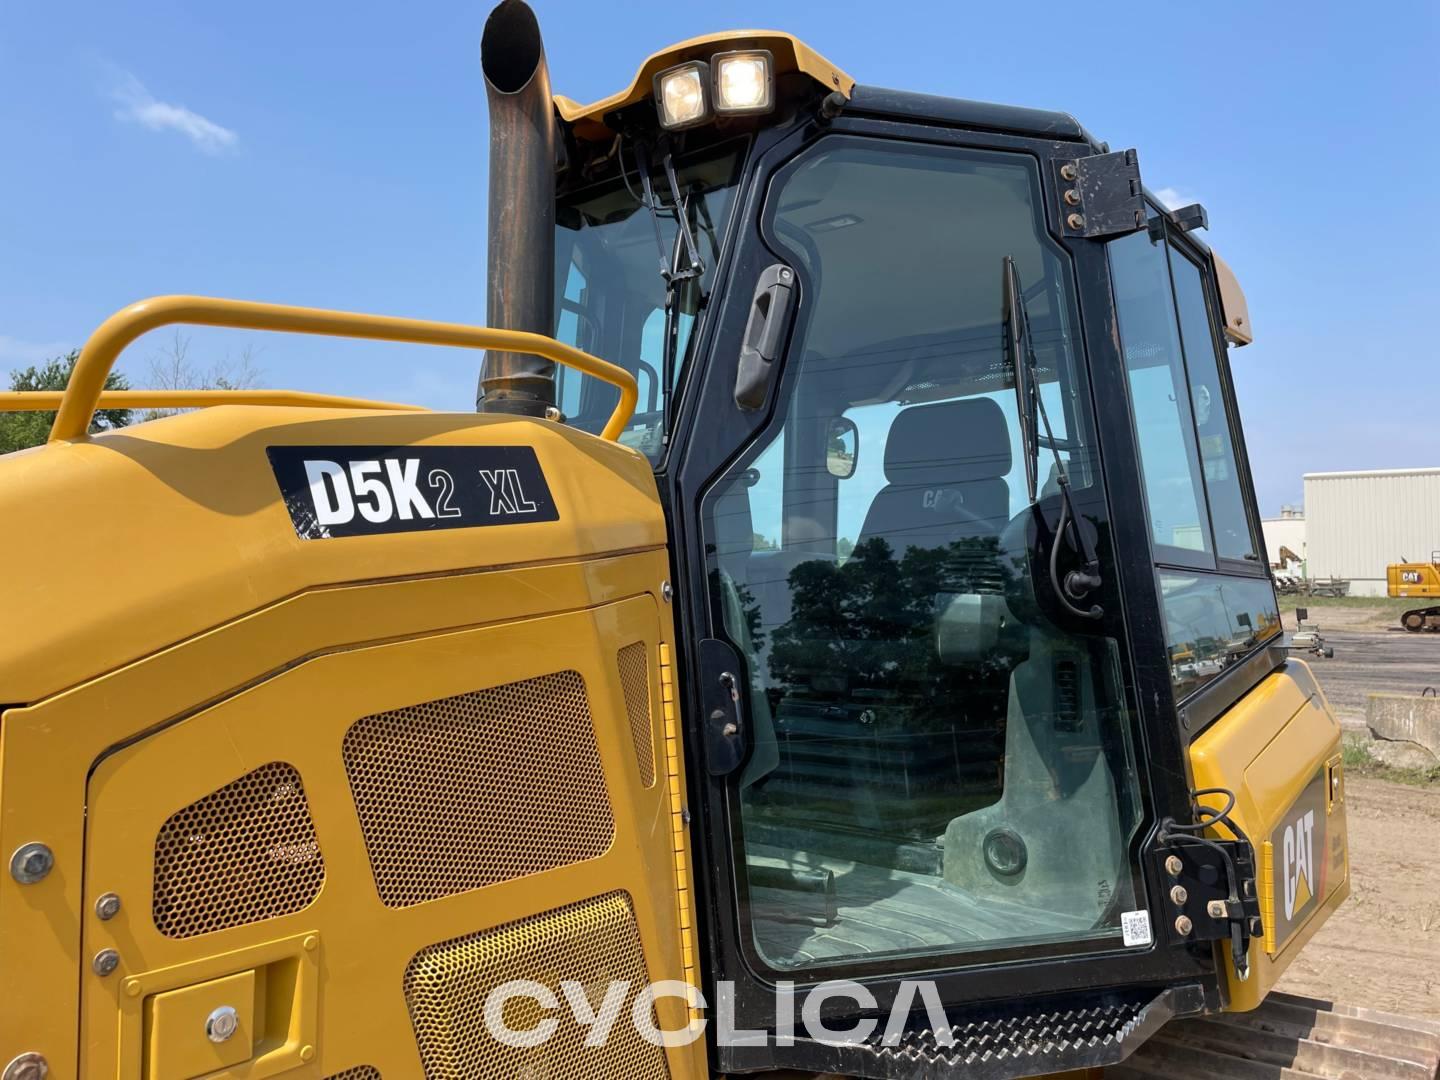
x=842 y=448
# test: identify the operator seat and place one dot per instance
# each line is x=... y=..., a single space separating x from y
x=945 y=468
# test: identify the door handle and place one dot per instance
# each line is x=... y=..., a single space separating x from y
x=723 y=707
x=769 y=311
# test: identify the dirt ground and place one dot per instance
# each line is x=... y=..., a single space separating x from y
x=1382 y=948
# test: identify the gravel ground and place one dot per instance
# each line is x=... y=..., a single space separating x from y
x=1368 y=661
x=1372 y=654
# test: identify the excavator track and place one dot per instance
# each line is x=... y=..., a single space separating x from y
x=1418 y=619
x=1289 y=1038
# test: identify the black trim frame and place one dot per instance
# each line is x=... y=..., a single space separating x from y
x=711 y=432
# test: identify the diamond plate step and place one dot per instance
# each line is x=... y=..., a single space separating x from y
x=998 y=1043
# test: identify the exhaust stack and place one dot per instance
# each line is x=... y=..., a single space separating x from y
x=520 y=288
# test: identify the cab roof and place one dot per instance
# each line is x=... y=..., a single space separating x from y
x=793 y=55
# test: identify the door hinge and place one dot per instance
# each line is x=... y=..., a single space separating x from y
x=1100 y=195
x=1210 y=892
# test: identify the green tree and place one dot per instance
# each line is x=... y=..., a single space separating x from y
x=23 y=429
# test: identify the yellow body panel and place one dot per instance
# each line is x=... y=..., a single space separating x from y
x=1270 y=749
x=193 y=636
x=163 y=530
x=791 y=54
x=1413 y=579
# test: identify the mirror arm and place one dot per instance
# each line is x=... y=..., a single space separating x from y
x=1076 y=583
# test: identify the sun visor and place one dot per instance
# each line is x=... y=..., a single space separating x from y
x=1232 y=304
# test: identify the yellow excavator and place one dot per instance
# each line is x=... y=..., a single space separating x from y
x=793 y=690
x=1421 y=580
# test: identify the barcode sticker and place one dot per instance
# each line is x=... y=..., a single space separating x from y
x=1135 y=926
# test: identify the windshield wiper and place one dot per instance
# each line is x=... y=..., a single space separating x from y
x=676 y=276
x=1077 y=584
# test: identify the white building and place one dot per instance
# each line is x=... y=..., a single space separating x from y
x=1286 y=531
x=1357 y=523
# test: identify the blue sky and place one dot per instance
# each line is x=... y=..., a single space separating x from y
x=334 y=155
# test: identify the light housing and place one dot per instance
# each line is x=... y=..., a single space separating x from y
x=744 y=82
x=682 y=95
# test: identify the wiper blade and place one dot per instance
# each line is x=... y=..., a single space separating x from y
x=671 y=271
x=1077 y=584
x=693 y=267
x=1017 y=342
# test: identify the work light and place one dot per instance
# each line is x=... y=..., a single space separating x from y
x=681 y=95
x=744 y=82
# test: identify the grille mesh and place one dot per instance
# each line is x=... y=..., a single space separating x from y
x=241 y=854
x=592 y=942
x=357 y=1072
x=635 y=681
x=466 y=791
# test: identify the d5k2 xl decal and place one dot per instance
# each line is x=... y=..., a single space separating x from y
x=337 y=491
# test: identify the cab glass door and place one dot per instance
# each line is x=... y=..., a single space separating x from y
x=940 y=758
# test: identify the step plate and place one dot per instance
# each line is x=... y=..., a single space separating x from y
x=998 y=1043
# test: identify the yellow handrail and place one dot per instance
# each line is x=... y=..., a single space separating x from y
x=98 y=356
x=49 y=400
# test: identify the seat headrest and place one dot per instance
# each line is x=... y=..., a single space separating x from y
x=952 y=442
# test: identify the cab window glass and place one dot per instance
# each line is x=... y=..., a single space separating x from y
x=1231 y=523
x=930 y=769
x=1216 y=613
x=1211 y=622
x=1169 y=456
x=568 y=329
x=611 y=293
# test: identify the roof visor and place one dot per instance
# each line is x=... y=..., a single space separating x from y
x=724 y=76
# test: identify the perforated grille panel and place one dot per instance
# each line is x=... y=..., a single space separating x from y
x=465 y=791
x=593 y=943
x=359 y=1072
x=239 y=855
x=635 y=681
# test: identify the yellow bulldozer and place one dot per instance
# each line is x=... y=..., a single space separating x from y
x=776 y=673
x=1416 y=580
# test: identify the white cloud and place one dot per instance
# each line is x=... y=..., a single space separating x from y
x=15 y=353
x=138 y=106
x=1174 y=198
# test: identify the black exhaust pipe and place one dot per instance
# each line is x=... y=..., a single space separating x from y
x=520 y=292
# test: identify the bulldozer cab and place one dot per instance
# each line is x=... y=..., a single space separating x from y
x=947 y=650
